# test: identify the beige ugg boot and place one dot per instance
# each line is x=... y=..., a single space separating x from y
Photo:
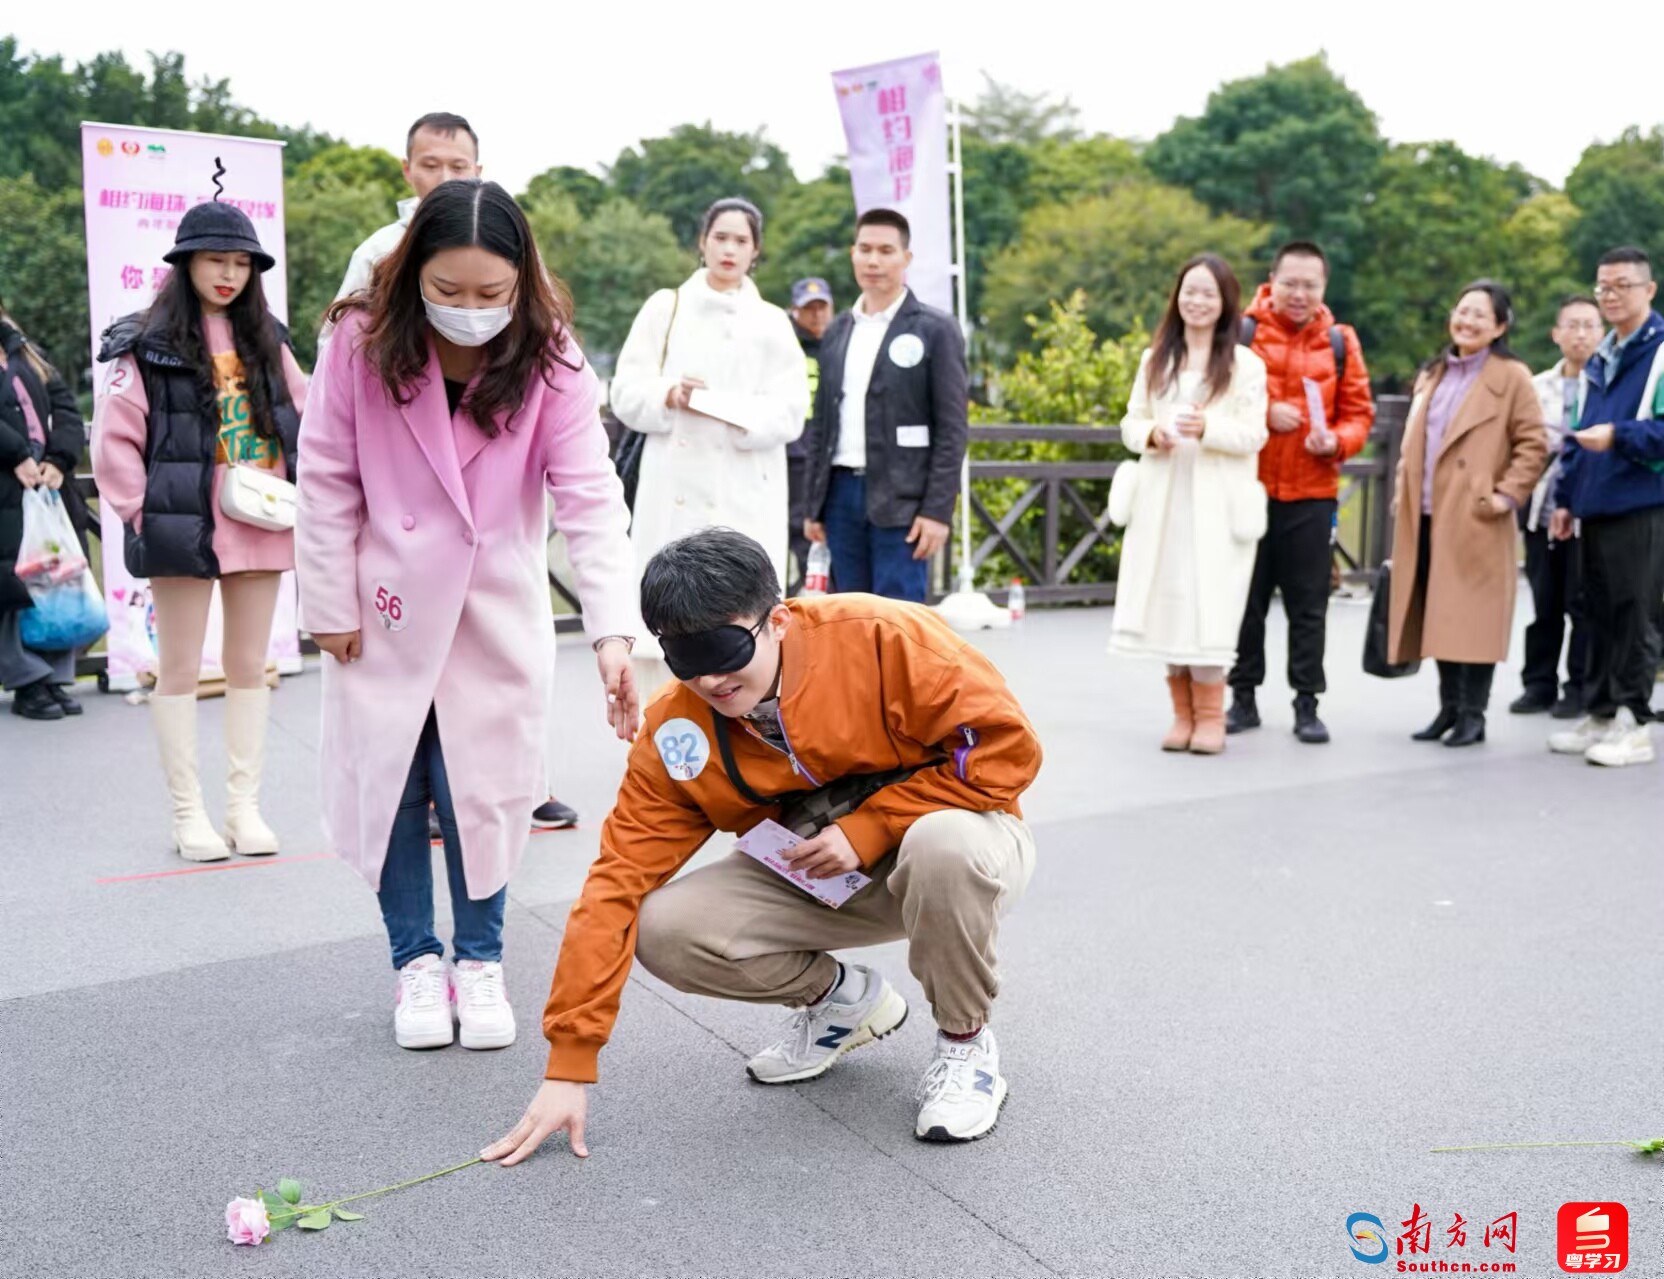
x=194 y=836
x=1209 y=703
x=1184 y=724
x=245 y=746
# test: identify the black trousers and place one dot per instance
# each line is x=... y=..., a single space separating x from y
x=1552 y=570
x=797 y=484
x=1293 y=557
x=1622 y=559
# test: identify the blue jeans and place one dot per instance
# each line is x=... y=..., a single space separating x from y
x=406 y=891
x=864 y=557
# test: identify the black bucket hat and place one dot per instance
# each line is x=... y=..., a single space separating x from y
x=218 y=228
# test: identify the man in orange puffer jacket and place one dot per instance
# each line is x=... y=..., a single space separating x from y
x=1311 y=363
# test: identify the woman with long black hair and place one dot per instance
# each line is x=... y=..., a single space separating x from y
x=452 y=397
x=199 y=387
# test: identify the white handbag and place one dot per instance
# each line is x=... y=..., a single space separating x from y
x=1123 y=492
x=260 y=498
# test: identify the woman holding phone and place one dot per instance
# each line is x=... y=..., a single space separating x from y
x=714 y=377
x=1195 y=510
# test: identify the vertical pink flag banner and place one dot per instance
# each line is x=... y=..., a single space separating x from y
x=138 y=184
x=895 y=119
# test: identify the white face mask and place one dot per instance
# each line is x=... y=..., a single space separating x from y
x=467 y=326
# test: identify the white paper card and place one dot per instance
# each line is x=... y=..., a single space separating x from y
x=1314 y=407
x=727 y=406
x=912 y=437
x=768 y=839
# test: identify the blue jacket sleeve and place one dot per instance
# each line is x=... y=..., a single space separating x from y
x=1639 y=441
x=1571 y=452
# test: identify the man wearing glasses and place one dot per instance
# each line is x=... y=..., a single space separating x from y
x=1320 y=412
x=1612 y=483
x=896 y=755
x=1551 y=566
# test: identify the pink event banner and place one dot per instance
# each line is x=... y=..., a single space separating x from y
x=895 y=118
x=138 y=184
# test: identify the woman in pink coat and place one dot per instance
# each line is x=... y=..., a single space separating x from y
x=450 y=397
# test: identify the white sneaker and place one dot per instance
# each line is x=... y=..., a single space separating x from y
x=821 y=1033
x=1627 y=743
x=1577 y=739
x=422 y=1004
x=482 y=1004
x=961 y=1094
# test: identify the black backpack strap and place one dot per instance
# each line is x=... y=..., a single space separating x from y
x=1337 y=345
x=725 y=748
x=1249 y=327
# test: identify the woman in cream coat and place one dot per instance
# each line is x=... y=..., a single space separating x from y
x=715 y=379
x=1193 y=505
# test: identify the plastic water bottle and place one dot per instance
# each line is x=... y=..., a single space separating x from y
x=817 y=574
x=1015 y=601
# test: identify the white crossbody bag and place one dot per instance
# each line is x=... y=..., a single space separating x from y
x=260 y=498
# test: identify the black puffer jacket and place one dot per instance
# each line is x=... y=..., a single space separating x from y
x=177 y=525
x=60 y=438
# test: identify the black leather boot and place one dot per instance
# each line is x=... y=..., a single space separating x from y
x=1449 y=694
x=1473 y=695
x=1307 y=726
x=1244 y=714
x=35 y=701
x=1470 y=729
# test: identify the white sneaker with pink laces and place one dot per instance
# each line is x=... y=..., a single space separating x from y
x=422 y=1004
x=482 y=1006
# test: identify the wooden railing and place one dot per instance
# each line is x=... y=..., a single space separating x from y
x=1072 y=523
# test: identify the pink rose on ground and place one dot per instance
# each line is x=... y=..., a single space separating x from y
x=245 y=1221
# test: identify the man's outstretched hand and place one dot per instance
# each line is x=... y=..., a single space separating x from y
x=559 y=1106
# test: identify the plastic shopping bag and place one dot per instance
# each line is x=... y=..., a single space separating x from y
x=50 y=553
x=65 y=616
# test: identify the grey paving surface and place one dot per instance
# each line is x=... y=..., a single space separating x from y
x=1242 y=999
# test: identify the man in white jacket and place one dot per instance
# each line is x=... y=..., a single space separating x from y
x=439 y=148
x=1551 y=566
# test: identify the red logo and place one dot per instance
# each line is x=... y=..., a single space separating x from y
x=130 y=148
x=1593 y=1237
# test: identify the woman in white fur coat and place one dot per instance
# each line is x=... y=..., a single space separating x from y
x=1193 y=505
x=714 y=377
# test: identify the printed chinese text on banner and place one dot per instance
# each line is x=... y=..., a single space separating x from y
x=138 y=184
x=895 y=118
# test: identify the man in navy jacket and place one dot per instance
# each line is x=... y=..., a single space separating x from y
x=1612 y=481
x=889 y=427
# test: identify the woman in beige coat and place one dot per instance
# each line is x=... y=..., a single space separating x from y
x=1474 y=448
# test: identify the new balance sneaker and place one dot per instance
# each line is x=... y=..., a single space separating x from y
x=422 y=1004
x=1627 y=743
x=962 y=1092
x=482 y=1007
x=553 y=815
x=821 y=1033
x=1577 y=739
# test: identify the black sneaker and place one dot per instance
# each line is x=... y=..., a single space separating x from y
x=63 y=699
x=1307 y=726
x=553 y=815
x=1243 y=714
x=35 y=701
x=1568 y=707
x=1530 y=703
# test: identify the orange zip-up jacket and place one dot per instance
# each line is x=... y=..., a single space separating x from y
x=1289 y=473
x=867 y=685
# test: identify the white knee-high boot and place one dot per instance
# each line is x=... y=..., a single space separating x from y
x=194 y=836
x=245 y=746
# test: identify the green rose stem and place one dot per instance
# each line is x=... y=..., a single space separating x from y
x=1644 y=1147
x=301 y=1210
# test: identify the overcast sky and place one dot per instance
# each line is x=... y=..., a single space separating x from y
x=575 y=81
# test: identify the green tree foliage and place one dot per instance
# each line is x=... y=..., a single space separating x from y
x=611 y=262
x=1294 y=148
x=1434 y=223
x=348 y=166
x=679 y=176
x=1618 y=188
x=586 y=191
x=1121 y=249
x=43 y=270
x=810 y=233
x=326 y=220
x=1535 y=243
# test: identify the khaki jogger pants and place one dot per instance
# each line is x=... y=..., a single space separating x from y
x=736 y=930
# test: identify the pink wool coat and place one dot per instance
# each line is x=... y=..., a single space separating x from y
x=428 y=537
